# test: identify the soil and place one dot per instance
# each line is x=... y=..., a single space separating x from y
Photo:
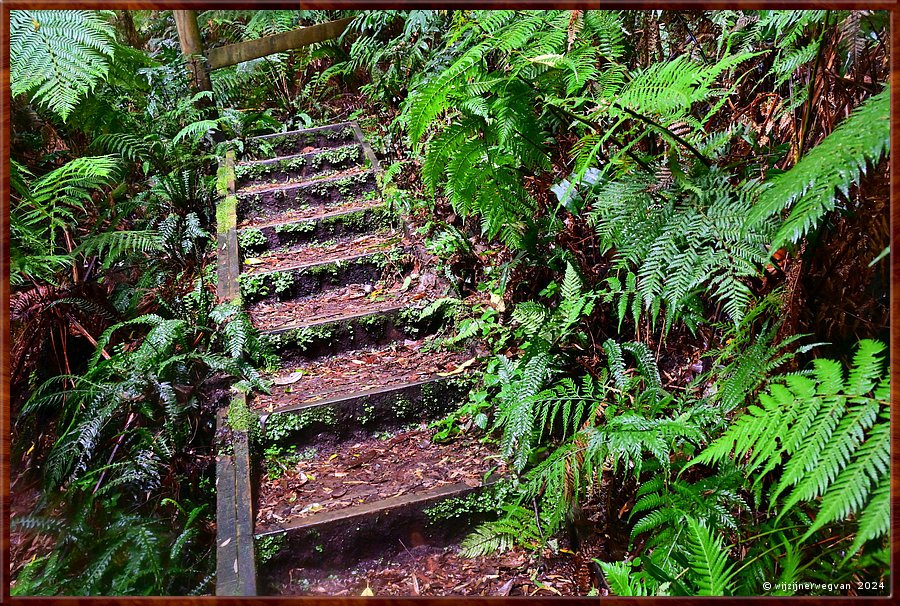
x=305 y=254
x=355 y=371
x=430 y=571
x=351 y=300
x=331 y=476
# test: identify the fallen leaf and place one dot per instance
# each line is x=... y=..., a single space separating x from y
x=287 y=380
x=458 y=369
x=506 y=588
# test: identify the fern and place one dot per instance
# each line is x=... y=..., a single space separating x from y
x=621 y=579
x=681 y=247
x=809 y=188
x=827 y=426
x=708 y=561
x=58 y=56
x=517 y=526
x=111 y=246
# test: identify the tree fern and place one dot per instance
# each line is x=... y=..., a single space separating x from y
x=809 y=188
x=58 y=56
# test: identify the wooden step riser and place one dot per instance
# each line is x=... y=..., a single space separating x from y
x=255 y=241
x=372 y=330
x=347 y=539
x=268 y=204
x=293 y=284
x=384 y=409
x=300 y=167
x=286 y=144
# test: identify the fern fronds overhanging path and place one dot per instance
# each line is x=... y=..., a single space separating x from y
x=309 y=248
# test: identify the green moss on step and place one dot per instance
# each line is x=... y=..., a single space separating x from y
x=241 y=418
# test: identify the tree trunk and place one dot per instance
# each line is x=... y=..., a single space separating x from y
x=192 y=48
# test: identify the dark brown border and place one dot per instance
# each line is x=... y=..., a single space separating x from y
x=891 y=5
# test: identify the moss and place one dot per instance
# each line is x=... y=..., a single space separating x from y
x=241 y=418
x=226 y=214
x=224 y=174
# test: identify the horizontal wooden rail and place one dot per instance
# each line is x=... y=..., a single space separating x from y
x=276 y=43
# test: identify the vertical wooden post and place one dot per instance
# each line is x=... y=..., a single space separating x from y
x=192 y=48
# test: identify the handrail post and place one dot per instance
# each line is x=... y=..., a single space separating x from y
x=192 y=48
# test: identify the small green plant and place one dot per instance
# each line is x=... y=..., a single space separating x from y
x=300 y=227
x=282 y=281
x=278 y=459
x=280 y=426
x=267 y=547
x=251 y=239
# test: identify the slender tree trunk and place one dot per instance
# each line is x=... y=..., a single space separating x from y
x=127 y=30
x=192 y=48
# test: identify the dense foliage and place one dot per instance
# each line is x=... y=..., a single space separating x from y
x=646 y=216
x=676 y=182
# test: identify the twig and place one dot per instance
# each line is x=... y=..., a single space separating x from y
x=87 y=336
x=115 y=450
x=537 y=518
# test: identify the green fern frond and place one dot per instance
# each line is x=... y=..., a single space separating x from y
x=824 y=434
x=620 y=578
x=708 y=560
x=58 y=56
x=809 y=188
x=516 y=527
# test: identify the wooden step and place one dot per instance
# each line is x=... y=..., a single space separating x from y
x=298 y=167
x=382 y=408
x=260 y=257
x=276 y=203
x=359 y=370
x=367 y=494
x=296 y=141
x=304 y=225
x=302 y=279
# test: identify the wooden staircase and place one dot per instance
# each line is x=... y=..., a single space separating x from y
x=337 y=288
